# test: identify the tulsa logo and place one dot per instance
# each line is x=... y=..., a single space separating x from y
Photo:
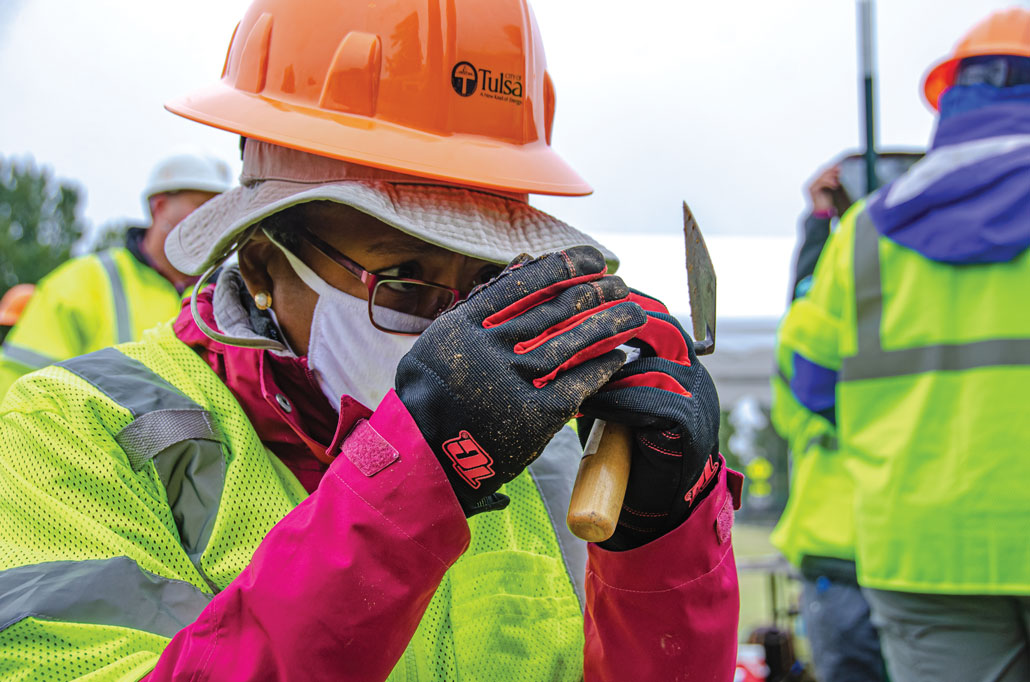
x=466 y=79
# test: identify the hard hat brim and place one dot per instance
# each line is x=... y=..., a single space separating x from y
x=469 y=160
x=937 y=80
x=183 y=186
x=1006 y=32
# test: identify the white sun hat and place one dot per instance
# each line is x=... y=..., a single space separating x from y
x=486 y=224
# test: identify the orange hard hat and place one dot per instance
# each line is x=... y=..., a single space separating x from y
x=454 y=91
x=13 y=303
x=1003 y=33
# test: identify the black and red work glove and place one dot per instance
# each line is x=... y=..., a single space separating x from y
x=669 y=399
x=490 y=382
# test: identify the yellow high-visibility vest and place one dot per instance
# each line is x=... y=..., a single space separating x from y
x=108 y=565
x=86 y=304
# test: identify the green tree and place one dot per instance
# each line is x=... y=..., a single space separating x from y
x=39 y=221
x=111 y=234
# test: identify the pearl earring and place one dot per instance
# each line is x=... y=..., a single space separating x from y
x=263 y=300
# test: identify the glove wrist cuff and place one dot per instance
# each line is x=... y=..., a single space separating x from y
x=704 y=483
x=492 y=502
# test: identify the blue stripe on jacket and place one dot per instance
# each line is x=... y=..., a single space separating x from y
x=815 y=387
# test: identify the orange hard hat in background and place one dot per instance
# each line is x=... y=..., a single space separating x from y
x=455 y=91
x=13 y=303
x=1003 y=33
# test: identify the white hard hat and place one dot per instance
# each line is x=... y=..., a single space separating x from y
x=198 y=171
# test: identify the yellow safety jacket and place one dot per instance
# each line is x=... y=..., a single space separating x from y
x=86 y=304
x=932 y=407
x=133 y=487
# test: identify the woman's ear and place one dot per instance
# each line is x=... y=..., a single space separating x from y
x=256 y=265
x=265 y=270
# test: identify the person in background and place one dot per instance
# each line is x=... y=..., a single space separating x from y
x=816 y=531
x=349 y=458
x=914 y=338
x=12 y=304
x=102 y=299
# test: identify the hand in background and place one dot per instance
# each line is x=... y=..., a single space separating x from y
x=821 y=188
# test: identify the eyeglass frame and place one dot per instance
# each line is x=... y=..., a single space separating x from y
x=371 y=280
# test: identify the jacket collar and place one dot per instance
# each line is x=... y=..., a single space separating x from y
x=278 y=393
x=966 y=201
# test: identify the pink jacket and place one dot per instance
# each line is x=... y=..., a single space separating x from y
x=337 y=588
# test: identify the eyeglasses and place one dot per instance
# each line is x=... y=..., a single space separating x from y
x=418 y=302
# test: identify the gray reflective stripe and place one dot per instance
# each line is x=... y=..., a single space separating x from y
x=938 y=358
x=193 y=474
x=153 y=432
x=873 y=362
x=24 y=356
x=112 y=591
x=554 y=472
x=121 y=303
x=179 y=436
x=868 y=286
x=128 y=382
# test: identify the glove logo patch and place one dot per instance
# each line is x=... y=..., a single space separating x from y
x=468 y=458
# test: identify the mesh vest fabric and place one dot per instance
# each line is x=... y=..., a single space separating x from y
x=506 y=609
x=931 y=410
x=68 y=492
x=84 y=305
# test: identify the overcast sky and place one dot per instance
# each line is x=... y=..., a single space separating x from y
x=728 y=105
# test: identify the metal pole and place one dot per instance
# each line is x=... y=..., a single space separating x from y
x=866 y=37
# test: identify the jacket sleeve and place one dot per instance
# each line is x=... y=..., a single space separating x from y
x=811 y=439
x=668 y=610
x=814 y=325
x=76 y=600
x=56 y=322
x=338 y=587
x=334 y=591
x=797 y=423
x=812 y=340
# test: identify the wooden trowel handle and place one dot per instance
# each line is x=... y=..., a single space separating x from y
x=601 y=482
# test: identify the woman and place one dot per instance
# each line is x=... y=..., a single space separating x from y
x=317 y=472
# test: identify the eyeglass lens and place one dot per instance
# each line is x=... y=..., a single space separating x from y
x=422 y=301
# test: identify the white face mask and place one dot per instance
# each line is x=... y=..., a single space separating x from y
x=347 y=355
